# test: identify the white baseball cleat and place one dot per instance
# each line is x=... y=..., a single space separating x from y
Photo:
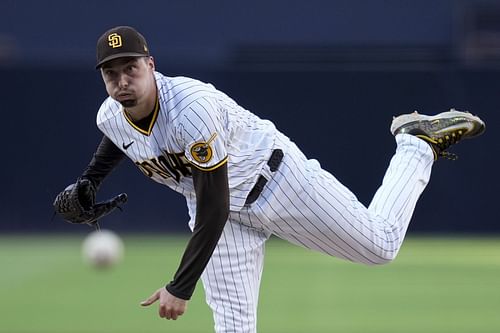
x=439 y=131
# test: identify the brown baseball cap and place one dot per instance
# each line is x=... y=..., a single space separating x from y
x=118 y=42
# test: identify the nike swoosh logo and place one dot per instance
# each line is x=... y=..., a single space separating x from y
x=125 y=146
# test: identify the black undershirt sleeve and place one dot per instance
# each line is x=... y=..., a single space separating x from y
x=106 y=157
x=212 y=211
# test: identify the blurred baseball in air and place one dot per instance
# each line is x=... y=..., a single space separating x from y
x=102 y=249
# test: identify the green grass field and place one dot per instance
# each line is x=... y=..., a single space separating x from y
x=435 y=285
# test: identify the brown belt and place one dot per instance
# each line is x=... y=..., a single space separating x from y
x=273 y=163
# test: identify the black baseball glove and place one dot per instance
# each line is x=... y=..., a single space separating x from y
x=76 y=204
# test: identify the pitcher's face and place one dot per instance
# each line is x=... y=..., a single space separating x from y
x=129 y=80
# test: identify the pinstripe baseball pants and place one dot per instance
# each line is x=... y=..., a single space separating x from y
x=307 y=206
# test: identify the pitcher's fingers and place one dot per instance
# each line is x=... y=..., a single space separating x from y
x=162 y=311
x=153 y=298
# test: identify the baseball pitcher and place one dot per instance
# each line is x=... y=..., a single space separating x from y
x=243 y=180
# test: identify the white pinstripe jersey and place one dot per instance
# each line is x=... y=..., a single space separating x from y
x=193 y=124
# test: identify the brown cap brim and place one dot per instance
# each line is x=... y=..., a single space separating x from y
x=120 y=55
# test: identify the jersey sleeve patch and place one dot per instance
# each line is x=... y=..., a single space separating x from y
x=202 y=151
x=202 y=134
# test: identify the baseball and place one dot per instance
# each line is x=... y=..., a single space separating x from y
x=102 y=249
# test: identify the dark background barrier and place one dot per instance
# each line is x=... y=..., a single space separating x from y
x=330 y=74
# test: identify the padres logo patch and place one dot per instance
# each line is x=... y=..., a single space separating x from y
x=115 y=40
x=201 y=151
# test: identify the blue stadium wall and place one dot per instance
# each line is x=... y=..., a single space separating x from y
x=329 y=74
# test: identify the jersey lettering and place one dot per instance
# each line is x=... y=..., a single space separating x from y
x=166 y=166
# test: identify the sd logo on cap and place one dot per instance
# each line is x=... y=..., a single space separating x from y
x=118 y=42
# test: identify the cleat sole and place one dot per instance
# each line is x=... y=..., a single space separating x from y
x=474 y=128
